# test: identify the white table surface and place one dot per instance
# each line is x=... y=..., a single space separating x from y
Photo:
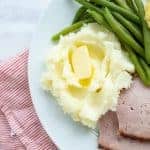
x=18 y=20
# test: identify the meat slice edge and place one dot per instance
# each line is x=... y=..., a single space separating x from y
x=133 y=111
x=111 y=139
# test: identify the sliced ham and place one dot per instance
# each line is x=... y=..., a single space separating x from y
x=112 y=140
x=133 y=111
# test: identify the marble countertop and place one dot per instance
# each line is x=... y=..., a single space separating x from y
x=18 y=21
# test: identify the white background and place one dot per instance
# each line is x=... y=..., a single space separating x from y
x=18 y=20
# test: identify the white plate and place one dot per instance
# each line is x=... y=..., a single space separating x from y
x=67 y=134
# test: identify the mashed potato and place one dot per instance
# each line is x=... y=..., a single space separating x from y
x=86 y=71
x=147 y=13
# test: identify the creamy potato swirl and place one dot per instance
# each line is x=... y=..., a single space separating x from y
x=85 y=72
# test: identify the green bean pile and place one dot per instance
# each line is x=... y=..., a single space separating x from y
x=125 y=18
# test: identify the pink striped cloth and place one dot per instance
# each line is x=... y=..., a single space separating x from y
x=20 y=128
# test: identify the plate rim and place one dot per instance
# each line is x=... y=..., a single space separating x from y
x=29 y=72
x=30 y=79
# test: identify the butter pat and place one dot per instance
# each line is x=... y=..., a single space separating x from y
x=81 y=62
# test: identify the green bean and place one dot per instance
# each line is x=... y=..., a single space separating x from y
x=86 y=16
x=90 y=6
x=146 y=30
x=79 y=14
x=146 y=33
x=131 y=4
x=121 y=32
x=130 y=26
x=127 y=13
x=141 y=67
x=141 y=72
x=69 y=29
x=146 y=68
x=140 y=8
x=99 y=19
x=122 y=4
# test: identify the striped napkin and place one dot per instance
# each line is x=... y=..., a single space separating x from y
x=20 y=128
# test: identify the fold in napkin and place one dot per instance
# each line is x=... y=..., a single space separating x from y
x=20 y=128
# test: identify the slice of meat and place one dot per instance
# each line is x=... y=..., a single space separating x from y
x=133 y=111
x=112 y=140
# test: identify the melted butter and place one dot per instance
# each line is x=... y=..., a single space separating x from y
x=95 y=51
x=76 y=92
x=81 y=62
